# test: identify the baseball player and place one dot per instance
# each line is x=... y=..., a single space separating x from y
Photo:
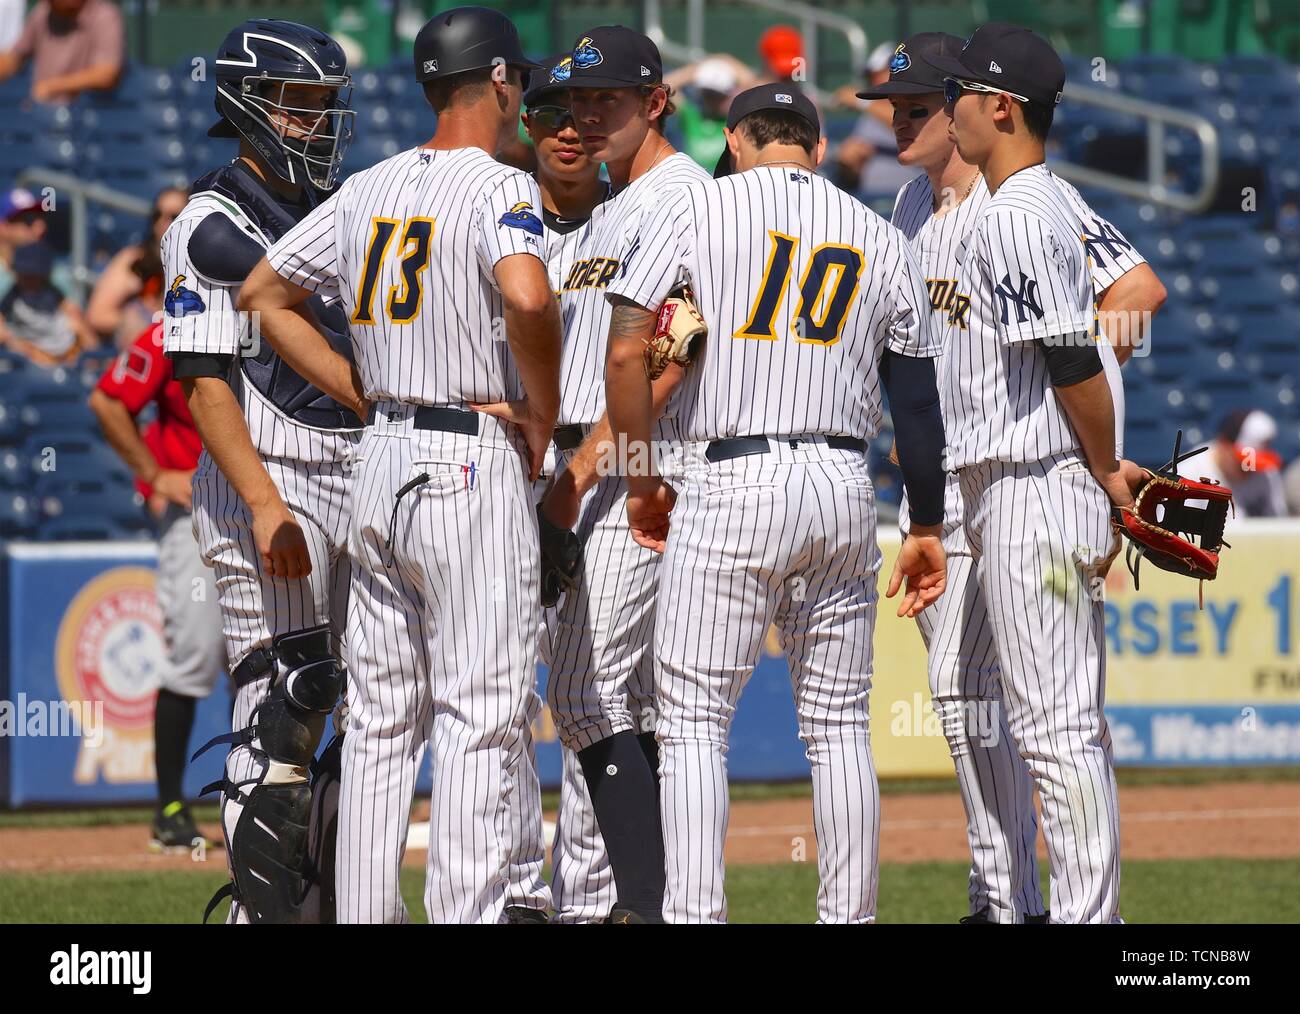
x=572 y=194
x=436 y=254
x=599 y=687
x=813 y=304
x=163 y=457
x=996 y=788
x=271 y=490
x=1031 y=432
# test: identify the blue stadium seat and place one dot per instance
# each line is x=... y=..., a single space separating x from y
x=17 y=516
x=11 y=425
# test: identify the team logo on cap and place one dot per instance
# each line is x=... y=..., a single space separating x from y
x=563 y=70
x=585 y=54
x=431 y=66
x=783 y=97
x=182 y=302
x=521 y=217
x=900 y=61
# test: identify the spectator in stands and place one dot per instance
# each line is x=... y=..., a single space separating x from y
x=1239 y=457
x=706 y=89
x=781 y=48
x=130 y=291
x=36 y=319
x=867 y=160
x=23 y=221
x=75 y=46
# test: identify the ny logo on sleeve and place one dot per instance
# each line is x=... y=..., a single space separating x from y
x=1105 y=238
x=1025 y=297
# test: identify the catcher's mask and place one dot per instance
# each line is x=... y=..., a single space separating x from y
x=257 y=63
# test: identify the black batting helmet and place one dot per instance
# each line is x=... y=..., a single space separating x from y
x=467 y=38
x=254 y=64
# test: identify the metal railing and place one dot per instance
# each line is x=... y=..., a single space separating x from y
x=1156 y=117
x=808 y=18
x=82 y=194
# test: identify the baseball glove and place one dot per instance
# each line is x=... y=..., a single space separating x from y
x=561 y=560
x=1162 y=527
x=678 y=333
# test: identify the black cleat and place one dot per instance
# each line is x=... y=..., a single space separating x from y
x=1038 y=920
x=519 y=915
x=174 y=831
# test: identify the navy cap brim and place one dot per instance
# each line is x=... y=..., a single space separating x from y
x=900 y=88
x=724 y=166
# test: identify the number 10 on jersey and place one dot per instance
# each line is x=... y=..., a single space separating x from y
x=402 y=302
x=826 y=290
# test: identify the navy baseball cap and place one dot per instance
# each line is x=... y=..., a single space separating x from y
x=540 y=87
x=610 y=56
x=780 y=96
x=910 y=72
x=1009 y=58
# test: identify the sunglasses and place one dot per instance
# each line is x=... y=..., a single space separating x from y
x=551 y=117
x=953 y=87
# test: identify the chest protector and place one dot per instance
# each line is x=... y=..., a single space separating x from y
x=223 y=251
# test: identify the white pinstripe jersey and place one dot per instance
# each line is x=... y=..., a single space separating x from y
x=937 y=242
x=802 y=286
x=603 y=245
x=410 y=245
x=209 y=323
x=562 y=244
x=1025 y=269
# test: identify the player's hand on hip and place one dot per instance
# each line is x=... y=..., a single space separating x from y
x=280 y=542
x=537 y=431
x=174 y=485
x=924 y=565
x=1121 y=480
x=649 y=502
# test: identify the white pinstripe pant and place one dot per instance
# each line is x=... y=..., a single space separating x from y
x=256 y=608
x=996 y=789
x=443 y=637
x=1038 y=532
x=600 y=683
x=785 y=537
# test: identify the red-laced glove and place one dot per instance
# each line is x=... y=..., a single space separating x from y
x=1163 y=528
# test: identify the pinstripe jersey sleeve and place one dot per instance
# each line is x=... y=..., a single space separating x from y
x=656 y=258
x=308 y=254
x=510 y=222
x=1110 y=254
x=910 y=326
x=1035 y=276
x=198 y=314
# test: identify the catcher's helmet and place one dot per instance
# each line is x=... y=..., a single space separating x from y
x=467 y=38
x=254 y=64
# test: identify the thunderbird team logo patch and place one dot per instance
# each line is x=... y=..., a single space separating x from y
x=521 y=217
x=182 y=302
x=900 y=61
x=585 y=54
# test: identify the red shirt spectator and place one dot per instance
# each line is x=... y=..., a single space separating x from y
x=141 y=374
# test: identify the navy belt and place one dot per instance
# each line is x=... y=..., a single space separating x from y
x=568 y=438
x=437 y=417
x=739 y=447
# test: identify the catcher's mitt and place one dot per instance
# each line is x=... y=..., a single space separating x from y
x=561 y=560
x=678 y=333
x=1158 y=535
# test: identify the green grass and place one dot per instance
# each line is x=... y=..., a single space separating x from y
x=1155 y=891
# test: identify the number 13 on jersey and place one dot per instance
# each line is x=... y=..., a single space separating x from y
x=826 y=290
x=402 y=303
